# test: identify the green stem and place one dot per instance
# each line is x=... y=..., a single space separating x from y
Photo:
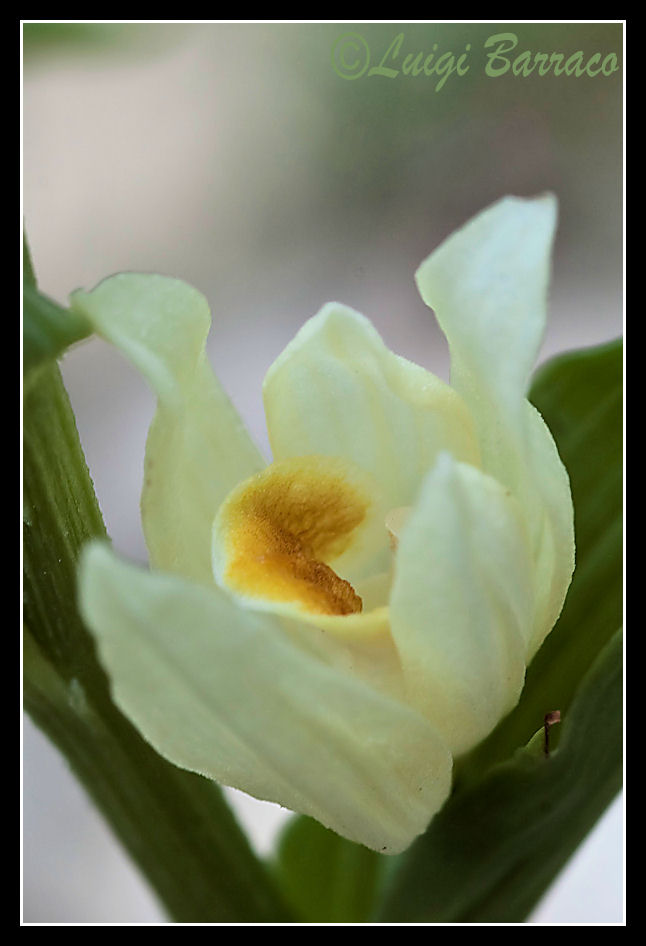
x=176 y=825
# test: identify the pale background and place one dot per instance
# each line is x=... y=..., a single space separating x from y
x=232 y=156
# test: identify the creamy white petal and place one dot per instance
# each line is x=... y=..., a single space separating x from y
x=487 y=284
x=228 y=694
x=462 y=602
x=551 y=523
x=197 y=448
x=336 y=389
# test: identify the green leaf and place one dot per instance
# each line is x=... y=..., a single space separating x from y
x=324 y=877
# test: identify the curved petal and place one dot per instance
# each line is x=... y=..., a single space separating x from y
x=552 y=525
x=462 y=602
x=227 y=693
x=197 y=447
x=488 y=284
x=337 y=390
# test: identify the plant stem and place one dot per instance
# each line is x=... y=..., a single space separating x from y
x=176 y=825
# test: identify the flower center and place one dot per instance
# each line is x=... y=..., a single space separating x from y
x=277 y=533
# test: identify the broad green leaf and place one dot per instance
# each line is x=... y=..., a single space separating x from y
x=515 y=817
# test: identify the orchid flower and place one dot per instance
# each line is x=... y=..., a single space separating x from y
x=330 y=630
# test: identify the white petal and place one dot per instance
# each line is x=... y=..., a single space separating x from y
x=462 y=602
x=488 y=284
x=551 y=522
x=227 y=693
x=337 y=390
x=197 y=447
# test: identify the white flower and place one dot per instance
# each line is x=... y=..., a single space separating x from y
x=329 y=631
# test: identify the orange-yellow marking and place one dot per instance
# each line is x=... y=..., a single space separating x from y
x=281 y=526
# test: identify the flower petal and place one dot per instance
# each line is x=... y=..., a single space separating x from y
x=487 y=284
x=462 y=602
x=197 y=448
x=337 y=390
x=551 y=522
x=227 y=693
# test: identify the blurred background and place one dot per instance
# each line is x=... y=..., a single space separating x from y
x=236 y=157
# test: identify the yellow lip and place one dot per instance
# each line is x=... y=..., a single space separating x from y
x=280 y=530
